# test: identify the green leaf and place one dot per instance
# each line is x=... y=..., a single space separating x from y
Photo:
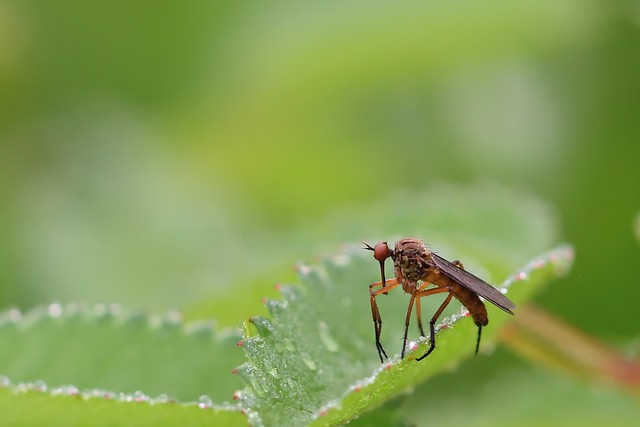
x=316 y=358
x=316 y=362
x=28 y=405
x=506 y=391
x=102 y=348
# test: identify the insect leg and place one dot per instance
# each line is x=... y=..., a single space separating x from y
x=377 y=326
x=419 y=309
x=406 y=325
x=419 y=316
x=375 y=312
x=432 y=322
x=459 y=265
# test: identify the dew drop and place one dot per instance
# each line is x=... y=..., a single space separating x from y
x=100 y=310
x=521 y=276
x=253 y=418
x=54 y=310
x=538 y=264
x=324 y=410
x=40 y=385
x=205 y=402
x=173 y=316
x=288 y=344
x=72 y=390
x=4 y=381
x=310 y=363
x=303 y=269
x=327 y=339
x=139 y=396
x=14 y=315
x=163 y=398
x=412 y=345
x=115 y=309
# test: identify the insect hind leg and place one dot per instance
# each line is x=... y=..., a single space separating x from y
x=479 y=335
x=432 y=325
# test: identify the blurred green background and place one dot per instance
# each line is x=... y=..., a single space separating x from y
x=148 y=149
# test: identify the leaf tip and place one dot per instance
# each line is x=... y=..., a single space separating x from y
x=262 y=325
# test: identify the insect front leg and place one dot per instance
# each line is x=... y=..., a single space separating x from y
x=375 y=312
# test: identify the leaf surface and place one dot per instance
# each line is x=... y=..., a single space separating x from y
x=314 y=361
x=103 y=348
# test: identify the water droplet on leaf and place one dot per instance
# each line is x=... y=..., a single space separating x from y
x=310 y=363
x=327 y=339
x=205 y=402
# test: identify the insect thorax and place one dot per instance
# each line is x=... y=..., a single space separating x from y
x=408 y=256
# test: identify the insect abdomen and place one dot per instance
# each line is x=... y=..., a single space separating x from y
x=474 y=304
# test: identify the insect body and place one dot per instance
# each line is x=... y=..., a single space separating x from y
x=416 y=267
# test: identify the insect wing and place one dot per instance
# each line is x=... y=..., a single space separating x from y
x=474 y=283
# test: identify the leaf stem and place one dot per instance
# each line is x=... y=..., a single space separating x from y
x=543 y=338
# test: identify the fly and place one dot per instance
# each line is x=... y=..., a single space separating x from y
x=416 y=267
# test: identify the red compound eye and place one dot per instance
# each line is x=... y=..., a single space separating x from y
x=381 y=251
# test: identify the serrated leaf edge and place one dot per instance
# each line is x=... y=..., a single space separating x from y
x=170 y=320
x=55 y=311
x=138 y=397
